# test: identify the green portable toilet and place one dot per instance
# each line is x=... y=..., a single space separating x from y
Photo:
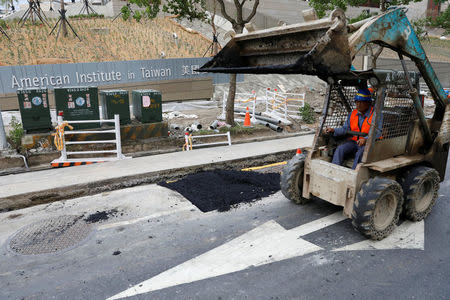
x=34 y=109
x=147 y=106
x=115 y=102
x=78 y=103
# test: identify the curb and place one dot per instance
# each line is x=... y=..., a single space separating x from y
x=79 y=190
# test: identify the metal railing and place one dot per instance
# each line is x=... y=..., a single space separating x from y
x=116 y=141
x=241 y=101
x=283 y=105
x=189 y=141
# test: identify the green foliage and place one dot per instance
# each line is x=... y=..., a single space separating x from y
x=137 y=16
x=126 y=12
x=3 y=24
x=193 y=9
x=237 y=129
x=443 y=20
x=322 y=6
x=419 y=26
x=307 y=113
x=364 y=15
x=15 y=134
x=151 y=8
x=89 y=16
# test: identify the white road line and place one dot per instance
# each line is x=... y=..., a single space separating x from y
x=267 y=243
x=409 y=235
x=319 y=224
x=145 y=218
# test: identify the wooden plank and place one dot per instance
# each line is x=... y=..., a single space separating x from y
x=395 y=162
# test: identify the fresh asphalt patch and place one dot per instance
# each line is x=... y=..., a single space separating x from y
x=222 y=189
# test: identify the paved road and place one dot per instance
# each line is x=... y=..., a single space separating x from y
x=157 y=245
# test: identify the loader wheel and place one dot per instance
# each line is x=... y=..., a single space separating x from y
x=377 y=208
x=420 y=187
x=292 y=179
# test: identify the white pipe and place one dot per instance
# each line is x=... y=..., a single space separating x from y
x=3 y=142
x=118 y=141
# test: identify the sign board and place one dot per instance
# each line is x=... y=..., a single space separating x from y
x=53 y=76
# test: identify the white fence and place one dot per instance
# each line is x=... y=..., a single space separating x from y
x=118 y=151
x=241 y=101
x=283 y=105
x=189 y=138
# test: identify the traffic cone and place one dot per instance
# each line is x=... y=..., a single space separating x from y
x=247 y=119
x=299 y=151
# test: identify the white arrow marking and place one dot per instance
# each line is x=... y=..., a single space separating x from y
x=267 y=243
x=409 y=235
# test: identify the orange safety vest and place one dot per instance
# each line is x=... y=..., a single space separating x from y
x=354 y=126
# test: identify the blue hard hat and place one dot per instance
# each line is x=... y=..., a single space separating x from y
x=363 y=95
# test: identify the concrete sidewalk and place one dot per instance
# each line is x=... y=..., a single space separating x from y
x=27 y=189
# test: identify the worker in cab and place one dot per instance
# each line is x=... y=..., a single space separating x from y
x=360 y=120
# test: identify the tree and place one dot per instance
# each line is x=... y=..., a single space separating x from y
x=322 y=6
x=196 y=9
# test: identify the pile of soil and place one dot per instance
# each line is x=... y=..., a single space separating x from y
x=222 y=189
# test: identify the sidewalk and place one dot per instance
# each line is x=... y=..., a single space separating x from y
x=27 y=189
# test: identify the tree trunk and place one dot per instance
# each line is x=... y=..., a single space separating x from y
x=63 y=21
x=230 y=100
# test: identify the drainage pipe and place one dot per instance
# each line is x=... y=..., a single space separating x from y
x=23 y=157
x=274 y=127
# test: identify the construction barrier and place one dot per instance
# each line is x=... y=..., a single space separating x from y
x=61 y=143
x=242 y=101
x=276 y=106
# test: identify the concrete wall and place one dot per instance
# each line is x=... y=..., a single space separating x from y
x=171 y=90
x=441 y=69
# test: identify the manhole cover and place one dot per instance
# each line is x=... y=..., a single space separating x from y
x=50 y=235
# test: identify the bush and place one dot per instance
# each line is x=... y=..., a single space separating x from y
x=443 y=20
x=364 y=15
x=307 y=113
x=89 y=16
x=419 y=27
x=15 y=135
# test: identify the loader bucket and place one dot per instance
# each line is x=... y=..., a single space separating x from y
x=317 y=47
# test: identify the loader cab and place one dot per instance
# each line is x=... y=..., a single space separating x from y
x=393 y=111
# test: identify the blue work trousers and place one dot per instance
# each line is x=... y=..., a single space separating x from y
x=345 y=150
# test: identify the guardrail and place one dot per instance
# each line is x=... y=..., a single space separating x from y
x=116 y=141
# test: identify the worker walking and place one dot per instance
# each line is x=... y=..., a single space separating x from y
x=360 y=120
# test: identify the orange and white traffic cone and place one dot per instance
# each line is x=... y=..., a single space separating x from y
x=247 y=119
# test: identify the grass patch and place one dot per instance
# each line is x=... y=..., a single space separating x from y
x=120 y=40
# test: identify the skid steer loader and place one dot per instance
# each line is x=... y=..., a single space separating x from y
x=401 y=168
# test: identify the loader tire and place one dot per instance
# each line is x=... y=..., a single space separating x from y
x=292 y=179
x=420 y=189
x=377 y=208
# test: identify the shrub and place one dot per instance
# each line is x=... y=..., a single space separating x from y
x=307 y=113
x=89 y=16
x=443 y=20
x=15 y=135
x=364 y=15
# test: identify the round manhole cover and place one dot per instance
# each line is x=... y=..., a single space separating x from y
x=50 y=235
